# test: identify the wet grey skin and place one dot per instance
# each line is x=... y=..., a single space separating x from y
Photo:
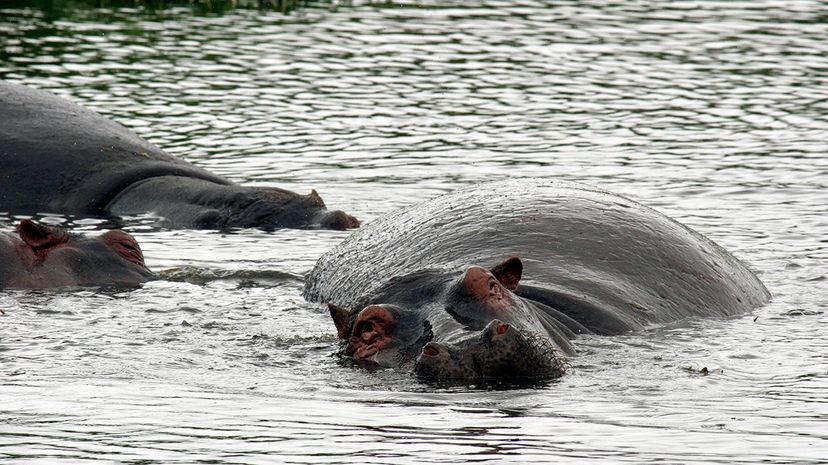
x=61 y=158
x=499 y=351
x=566 y=259
x=37 y=256
x=457 y=327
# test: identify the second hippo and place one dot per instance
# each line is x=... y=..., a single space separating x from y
x=494 y=281
x=58 y=157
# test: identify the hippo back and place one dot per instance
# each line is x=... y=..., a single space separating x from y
x=603 y=249
x=57 y=156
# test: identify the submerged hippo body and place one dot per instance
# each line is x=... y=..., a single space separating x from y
x=58 y=157
x=38 y=256
x=407 y=286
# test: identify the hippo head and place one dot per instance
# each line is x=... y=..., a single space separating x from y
x=318 y=214
x=53 y=257
x=271 y=207
x=384 y=335
x=464 y=326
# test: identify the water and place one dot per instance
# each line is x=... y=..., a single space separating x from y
x=715 y=113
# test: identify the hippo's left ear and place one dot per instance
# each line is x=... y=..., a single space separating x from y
x=509 y=272
x=38 y=236
x=342 y=318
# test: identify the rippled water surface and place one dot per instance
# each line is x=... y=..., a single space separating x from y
x=715 y=113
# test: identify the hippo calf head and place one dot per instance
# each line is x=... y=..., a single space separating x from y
x=231 y=206
x=45 y=256
x=270 y=207
x=187 y=202
x=462 y=326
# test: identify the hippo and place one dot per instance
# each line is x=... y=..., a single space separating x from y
x=40 y=256
x=494 y=282
x=58 y=157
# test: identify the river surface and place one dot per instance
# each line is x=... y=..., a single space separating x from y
x=714 y=113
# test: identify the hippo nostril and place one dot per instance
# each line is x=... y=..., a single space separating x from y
x=431 y=351
x=502 y=328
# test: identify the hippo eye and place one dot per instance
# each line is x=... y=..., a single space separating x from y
x=367 y=326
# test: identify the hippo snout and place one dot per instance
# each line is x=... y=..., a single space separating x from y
x=498 y=352
x=337 y=219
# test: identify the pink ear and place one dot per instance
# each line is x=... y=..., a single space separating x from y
x=342 y=320
x=509 y=272
x=38 y=236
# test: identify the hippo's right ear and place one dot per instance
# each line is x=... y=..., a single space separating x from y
x=509 y=272
x=316 y=199
x=342 y=319
x=38 y=236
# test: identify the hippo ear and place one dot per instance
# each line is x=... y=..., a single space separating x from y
x=38 y=236
x=316 y=199
x=341 y=319
x=509 y=272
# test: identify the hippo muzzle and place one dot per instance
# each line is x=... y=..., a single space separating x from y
x=499 y=352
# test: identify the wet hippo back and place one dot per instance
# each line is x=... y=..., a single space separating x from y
x=60 y=156
x=608 y=262
x=57 y=157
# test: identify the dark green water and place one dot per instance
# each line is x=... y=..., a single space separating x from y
x=715 y=113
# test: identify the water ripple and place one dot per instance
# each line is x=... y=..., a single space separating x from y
x=712 y=112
